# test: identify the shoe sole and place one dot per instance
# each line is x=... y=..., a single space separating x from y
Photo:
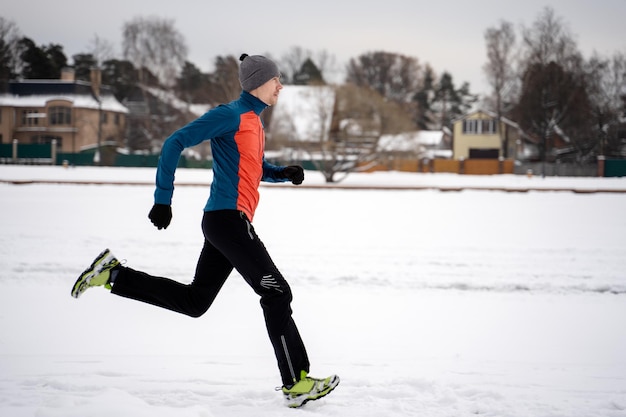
x=82 y=283
x=333 y=384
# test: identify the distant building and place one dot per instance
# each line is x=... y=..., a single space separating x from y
x=78 y=115
x=476 y=136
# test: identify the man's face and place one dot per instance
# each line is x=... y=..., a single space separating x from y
x=268 y=92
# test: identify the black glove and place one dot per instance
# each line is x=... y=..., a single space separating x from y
x=161 y=215
x=294 y=173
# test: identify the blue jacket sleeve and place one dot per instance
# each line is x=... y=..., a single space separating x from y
x=215 y=122
x=273 y=173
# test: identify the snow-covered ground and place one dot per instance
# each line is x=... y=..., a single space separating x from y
x=426 y=303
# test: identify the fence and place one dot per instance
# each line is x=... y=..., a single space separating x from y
x=606 y=168
x=46 y=154
x=611 y=167
x=552 y=169
x=28 y=154
x=603 y=168
x=454 y=166
x=33 y=154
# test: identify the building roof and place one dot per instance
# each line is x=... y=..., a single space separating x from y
x=52 y=87
x=490 y=114
x=36 y=93
x=411 y=141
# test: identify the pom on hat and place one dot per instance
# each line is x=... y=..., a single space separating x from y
x=256 y=70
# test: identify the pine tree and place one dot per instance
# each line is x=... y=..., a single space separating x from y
x=449 y=102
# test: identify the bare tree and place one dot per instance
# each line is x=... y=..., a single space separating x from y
x=155 y=44
x=550 y=40
x=555 y=104
x=394 y=76
x=607 y=81
x=553 y=97
x=100 y=49
x=9 y=50
x=500 y=69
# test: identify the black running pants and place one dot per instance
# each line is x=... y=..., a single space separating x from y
x=229 y=242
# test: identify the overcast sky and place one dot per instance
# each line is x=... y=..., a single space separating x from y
x=449 y=35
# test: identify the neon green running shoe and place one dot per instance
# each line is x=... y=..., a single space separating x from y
x=308 y=389
x=98 y=274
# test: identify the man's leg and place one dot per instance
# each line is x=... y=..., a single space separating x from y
x=234 y=236
x=191 y=299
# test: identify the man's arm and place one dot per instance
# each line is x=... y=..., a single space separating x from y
x=274 y=173
x=215 y=122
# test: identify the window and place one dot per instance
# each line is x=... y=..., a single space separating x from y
x=470 y=126
x=488 y=126
x=104 y=117
x=59 y=115
x=46 y=139
x=479 y=126
x=31 y=117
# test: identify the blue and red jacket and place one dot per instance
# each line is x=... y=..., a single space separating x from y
x=237 y=143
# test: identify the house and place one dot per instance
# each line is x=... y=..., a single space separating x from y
x=76 y=115
x=476 y=136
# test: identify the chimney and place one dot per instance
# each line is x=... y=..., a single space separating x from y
x=96 y=80
x=67 y=74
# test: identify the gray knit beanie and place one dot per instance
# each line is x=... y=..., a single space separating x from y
x=256 y=70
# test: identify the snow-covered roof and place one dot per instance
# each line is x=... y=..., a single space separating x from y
x=84 y=101
x=411 y=141
x=171 y=99
x=303 y=113
x=490 y=114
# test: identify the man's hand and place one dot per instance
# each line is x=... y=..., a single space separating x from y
x=294 y=173
x=161 y=215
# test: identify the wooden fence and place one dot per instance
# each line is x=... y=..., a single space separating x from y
x=454 y=166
